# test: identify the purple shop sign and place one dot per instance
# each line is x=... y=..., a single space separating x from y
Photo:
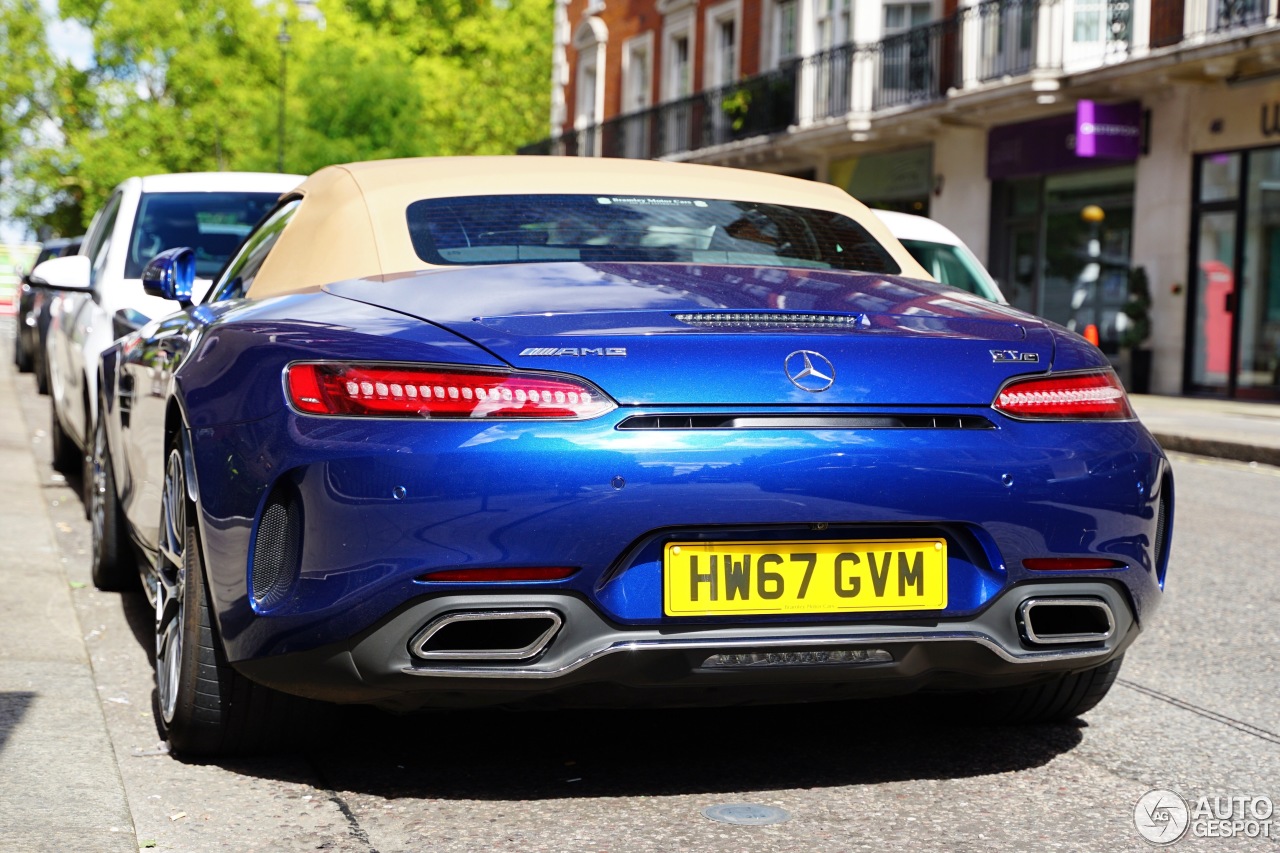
x=1109 y=131
x=1065 y=142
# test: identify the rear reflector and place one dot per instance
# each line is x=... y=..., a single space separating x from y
x=1070 y=396
x=1072 y=564
x=394 y=391
x=491 y=575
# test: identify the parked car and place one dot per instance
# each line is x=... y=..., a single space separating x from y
x=208 y=212
x=479 y=431
x=942 y=253
x=33 y=314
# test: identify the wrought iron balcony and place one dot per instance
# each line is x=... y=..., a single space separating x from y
x=917 y=65
x=755 y=106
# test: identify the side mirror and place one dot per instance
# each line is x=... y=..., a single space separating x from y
x=171 y=275
x=69 y=273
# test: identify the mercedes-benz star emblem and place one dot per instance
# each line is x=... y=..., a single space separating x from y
x=809 y=371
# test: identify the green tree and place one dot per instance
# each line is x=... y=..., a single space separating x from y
x=195 y=85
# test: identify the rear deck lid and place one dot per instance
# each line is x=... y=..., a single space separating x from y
x=668 y=334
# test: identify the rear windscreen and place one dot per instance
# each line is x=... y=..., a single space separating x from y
x=504 y=229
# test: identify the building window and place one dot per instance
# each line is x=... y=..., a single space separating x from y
x=677 y=56
x=833 y=23
x=676 y=120
x=904 y=16
x=637 y=96
x=589 y=41
x=1088 y=20
x=786 y=28
x=722 y=45
x=637 y=74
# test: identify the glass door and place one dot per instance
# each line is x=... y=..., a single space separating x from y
x=1215 y=301
x=1233 y=336
x=1257 y=344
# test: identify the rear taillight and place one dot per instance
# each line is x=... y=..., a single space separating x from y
x=396 y=391
x=1069 y=396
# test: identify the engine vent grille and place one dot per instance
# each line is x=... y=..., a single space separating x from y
x=811 y=422
x=277 y=548
x=1161 y=543
x=773 y=320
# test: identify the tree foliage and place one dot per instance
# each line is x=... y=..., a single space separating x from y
x=195 y=85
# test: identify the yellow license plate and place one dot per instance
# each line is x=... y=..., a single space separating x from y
x=714 y=578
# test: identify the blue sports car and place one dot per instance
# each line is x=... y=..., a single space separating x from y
x=490 y=431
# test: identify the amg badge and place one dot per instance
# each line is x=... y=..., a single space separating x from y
x=576 y=351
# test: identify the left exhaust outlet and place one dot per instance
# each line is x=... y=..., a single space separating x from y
x=487 y=635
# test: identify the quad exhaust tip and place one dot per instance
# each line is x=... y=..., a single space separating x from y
x=1058 y=621
x=487 y=635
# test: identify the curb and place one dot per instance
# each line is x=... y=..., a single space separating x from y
x=1219 y=449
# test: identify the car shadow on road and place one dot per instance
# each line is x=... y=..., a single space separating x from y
x=504 y=755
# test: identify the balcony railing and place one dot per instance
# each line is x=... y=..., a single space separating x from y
x=756 y=106
x=980 y=44
x=917 y=65
x=1235 y=14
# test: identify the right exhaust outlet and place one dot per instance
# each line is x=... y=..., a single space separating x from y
x=1059 y=621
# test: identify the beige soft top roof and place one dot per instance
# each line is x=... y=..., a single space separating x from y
x=352 y=223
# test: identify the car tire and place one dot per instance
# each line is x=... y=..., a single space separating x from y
x=21 y=355
x=113 y=566
x=42 y=374
x=66 y=456
x=1063 y=698
x=204 y=707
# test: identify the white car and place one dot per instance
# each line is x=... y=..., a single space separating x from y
x=100 y=289
x=942 y=253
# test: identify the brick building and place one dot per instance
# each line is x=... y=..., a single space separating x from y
x=1004 y=120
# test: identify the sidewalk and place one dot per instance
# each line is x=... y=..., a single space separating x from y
x=1246 y=432
x=60 y=788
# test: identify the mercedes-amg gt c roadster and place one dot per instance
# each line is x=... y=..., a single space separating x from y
x=491 y=431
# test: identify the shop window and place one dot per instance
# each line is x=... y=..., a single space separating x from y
x=1219 y=177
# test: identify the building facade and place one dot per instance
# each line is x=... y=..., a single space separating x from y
x=1086 y=149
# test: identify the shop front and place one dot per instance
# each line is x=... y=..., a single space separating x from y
x=888 y=180
x=1062 y=202
x=1233 y=333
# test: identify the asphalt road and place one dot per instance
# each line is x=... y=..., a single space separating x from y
x=1197 y=711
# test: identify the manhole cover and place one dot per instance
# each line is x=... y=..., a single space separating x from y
x=746 y=814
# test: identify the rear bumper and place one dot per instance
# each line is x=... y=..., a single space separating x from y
x=591 y=662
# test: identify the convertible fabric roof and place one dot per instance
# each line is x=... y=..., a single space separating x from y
x=352 y=220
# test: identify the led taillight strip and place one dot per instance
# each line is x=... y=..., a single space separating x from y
x=1097 y=395
x=372 y=390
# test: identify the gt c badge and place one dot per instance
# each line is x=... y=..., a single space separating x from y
x=1003 y=355
x=809 y=371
